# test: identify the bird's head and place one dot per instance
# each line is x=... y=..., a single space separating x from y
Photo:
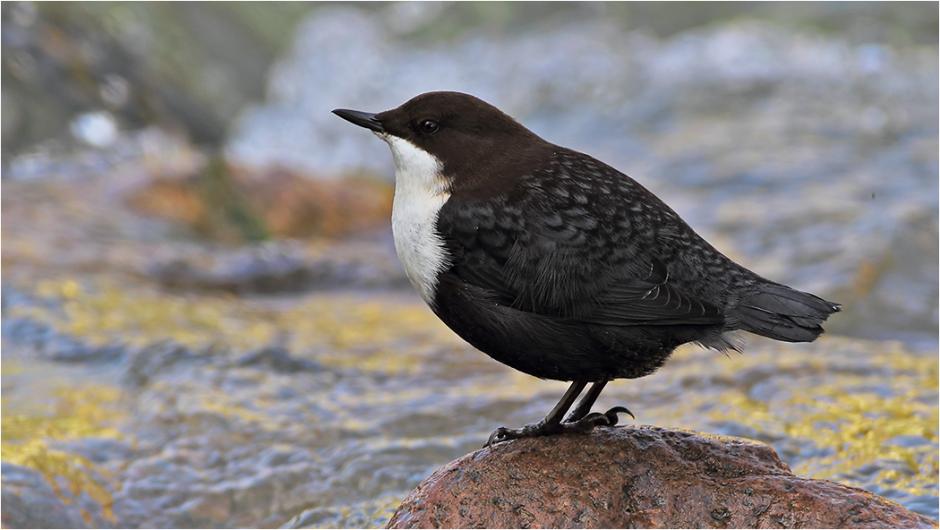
x=459 y=136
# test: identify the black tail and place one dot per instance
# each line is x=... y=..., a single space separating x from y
x=782 y=313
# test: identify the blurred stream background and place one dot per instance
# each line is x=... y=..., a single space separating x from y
x=204 y=322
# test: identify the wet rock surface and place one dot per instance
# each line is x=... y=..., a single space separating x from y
x=638 y=477
x=29 y=501
x=281 y=267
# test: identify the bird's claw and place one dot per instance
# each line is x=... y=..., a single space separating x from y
x=499 y=435
x=612 y=414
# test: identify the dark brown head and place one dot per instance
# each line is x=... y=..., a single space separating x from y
x=470 y=139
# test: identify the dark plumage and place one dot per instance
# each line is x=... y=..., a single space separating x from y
x=580 y=272
x=560 y=266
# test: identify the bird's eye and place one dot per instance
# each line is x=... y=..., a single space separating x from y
x=428 y=126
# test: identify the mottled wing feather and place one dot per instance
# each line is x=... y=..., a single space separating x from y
x=589 y=248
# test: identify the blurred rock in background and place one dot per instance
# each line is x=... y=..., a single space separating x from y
x=183 y=67
x=192 y=68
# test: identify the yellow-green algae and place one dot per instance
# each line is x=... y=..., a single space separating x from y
x=849 y=421
x=347 y=331
x=846 y=423
x=78 y=412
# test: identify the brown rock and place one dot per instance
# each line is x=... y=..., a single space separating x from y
x=294 y=205
x=230 y=203
x=638 y=477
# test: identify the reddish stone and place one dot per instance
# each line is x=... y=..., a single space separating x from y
x=287 y=204
x=638 y=477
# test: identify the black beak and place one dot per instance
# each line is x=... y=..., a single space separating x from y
x=362 y=119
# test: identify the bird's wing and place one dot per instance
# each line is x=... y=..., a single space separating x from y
x=581 y=241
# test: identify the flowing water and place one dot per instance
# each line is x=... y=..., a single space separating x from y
x=131 y=401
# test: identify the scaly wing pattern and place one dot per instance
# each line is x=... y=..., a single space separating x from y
x=590 y=248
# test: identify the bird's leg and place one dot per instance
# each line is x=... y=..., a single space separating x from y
x=584 y=406
x=581 y=419
x=551 y=424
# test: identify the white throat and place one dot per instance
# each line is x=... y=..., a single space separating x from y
x=420 y=192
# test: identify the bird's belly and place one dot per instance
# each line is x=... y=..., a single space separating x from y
x=418 y=245
x=544 y=346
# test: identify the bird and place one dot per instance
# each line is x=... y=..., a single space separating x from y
x=557 y=264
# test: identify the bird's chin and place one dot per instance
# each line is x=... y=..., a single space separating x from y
x=382 y=135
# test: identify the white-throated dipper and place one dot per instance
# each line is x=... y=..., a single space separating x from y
x=556 y=264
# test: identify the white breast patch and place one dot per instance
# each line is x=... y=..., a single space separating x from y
x=419 y=195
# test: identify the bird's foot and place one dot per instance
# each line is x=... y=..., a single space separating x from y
x=583 y=426
x=504 y=434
